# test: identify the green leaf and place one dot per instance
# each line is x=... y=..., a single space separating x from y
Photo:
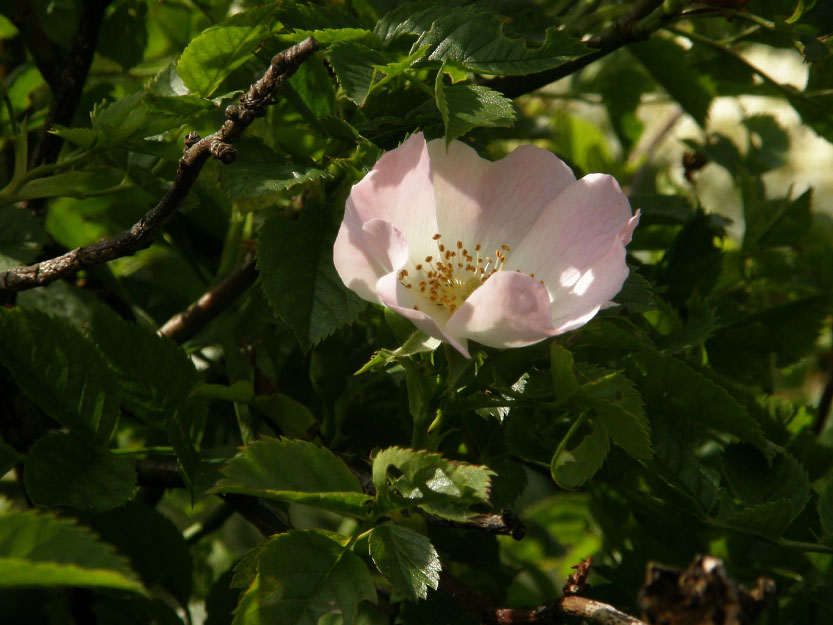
x=417 y=343
x=476 y=40
x=135 y=610
x=619 y=406
x=328 y=36
x=260 y=176
x=311 y=83
x=756 y=481
x=770 y=519
x=429 y=481
x=298 y=276
x=768 y=146
x=825 y=509
x=167 y=94
x=788 y=332
x=573 y=466
x=60 y=371
x=219 y=50
x=637 y=294
x=291 y=416
x=674 y=462
x=699 y=326
x=41 y=550
x=621 y=86
x=21 y=236
x=69 y=183
x=294 y=471
x=354 y=64
x=153 y=545
x=200 y=469
x=693 y=262
x=82 y=137
x=406 y=558
x=240 y=391
x=779 y=222
x=124 y=34
x=154 y=374
x=282 y=464
x=128 y=119
x=582 y=143
x=464 y=107
x=668 y=63
x=63 y=469
x=8 y=458
x=302 y=575
x=669 y=385
x=561 y=368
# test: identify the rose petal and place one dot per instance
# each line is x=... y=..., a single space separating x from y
x=575 y=231
x=509 y=310
x=575 y=305
x=493 y=203
x=363 y=253
x=402 y=300
x=399 y=189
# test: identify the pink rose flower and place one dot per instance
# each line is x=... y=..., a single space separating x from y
x=504 y=253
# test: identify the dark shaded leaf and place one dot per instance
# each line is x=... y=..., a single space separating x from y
x=315 y=574
x=306 y=292
x=63 y=469
x=60 y=371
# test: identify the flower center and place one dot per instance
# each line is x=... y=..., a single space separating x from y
x=449 y=277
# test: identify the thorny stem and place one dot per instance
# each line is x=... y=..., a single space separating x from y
x=196 y=153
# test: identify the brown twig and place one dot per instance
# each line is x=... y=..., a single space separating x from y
x=550 y=614
x=506 y=523
x=37 y=42
x=595 y=611
x=577 y=582
x=196 y=153
x=187 y=323
x=69 y=83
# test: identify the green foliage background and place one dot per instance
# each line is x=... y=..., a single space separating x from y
x=687 y=420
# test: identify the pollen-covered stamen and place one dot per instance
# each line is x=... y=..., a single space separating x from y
x=449 y=277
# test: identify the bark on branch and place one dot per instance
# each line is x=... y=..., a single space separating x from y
x=196 y=153
x=187 y=323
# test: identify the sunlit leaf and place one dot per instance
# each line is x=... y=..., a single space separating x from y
x=41 y=550
x=406 y=558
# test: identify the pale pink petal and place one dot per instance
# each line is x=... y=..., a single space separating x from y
x=509 y=310
x=576 y=230
x=493 y=203
x=399 y=190
x=363 y=253
x=395 y=296
x=574 y=305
